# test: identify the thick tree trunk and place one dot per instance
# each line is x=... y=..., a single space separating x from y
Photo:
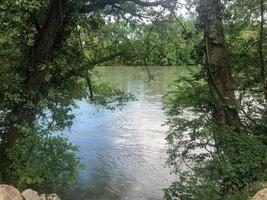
x=37 y=60
x=218 y=68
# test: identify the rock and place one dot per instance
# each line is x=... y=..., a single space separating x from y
x=261 y=195
x=8 y=192
x=42 y=197
x=52 y=197
x=30 y=194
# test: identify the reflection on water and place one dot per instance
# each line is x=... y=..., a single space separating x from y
x=124 y=150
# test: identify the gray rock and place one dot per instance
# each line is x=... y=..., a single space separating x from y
x=261 y=195
x=8 y=192
x=52 y=197
x=30 y=194
x=42 y=197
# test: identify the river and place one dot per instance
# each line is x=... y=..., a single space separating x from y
x=124 y=151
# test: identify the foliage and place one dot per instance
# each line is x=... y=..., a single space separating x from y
x=211 y=162
x=110 y=97
x=43 y=161
x=160 y=42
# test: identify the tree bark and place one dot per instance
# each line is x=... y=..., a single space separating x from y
x=261 y=55
x=220 y=79
x=37 y=59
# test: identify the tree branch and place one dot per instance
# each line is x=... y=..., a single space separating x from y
x=90 y=87
x=164 y=3
x=104 y=59
x=90 y=65
x=97 y=5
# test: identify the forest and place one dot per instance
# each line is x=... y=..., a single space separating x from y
x=216 y=114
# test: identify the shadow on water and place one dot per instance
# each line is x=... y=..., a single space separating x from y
x=124 y=151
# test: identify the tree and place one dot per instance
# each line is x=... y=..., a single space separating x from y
x=214 y=155
x=220 y=78
x=261 y=42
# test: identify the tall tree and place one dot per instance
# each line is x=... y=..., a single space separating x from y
x=261 y=42
x=49 y=37
x=218 y=67
x=207 y=151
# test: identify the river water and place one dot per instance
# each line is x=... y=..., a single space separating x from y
x=124 y=151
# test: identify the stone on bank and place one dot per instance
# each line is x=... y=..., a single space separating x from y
x=8 y=192
x=261 y=195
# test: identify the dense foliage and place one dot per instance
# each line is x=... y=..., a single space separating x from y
x=214 y=161
x=43 y=161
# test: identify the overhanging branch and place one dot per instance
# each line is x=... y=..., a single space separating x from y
x=89 y=65
x=105 y=59
x=155 y=3
x=98 y=5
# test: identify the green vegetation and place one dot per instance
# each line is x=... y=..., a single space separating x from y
x=221 y=151
x=48 y=51
x=43 y=161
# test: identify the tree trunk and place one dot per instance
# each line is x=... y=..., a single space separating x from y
x=261 y=55
x=37 y=59
x=218 y=68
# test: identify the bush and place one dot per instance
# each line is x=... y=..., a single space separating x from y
x=43 y=161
